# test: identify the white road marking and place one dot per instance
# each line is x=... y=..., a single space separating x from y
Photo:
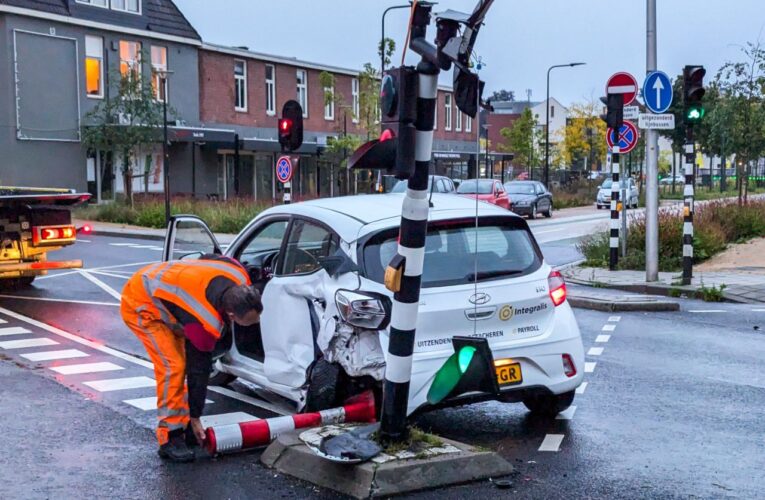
x=706 y=311
x=119 y=384
x=582 y=387
x=551 y=442
x=608 y=328
x=111 y=275
x=567 y=414
x=227 y=418
x=595 y=351
x=250 y=400
x=54 y=355
x=549 y=231
x=121 y=244
x=2 y=321
x=45 y=299
x=86 y=368
x=13 y=330
x=118 y=266
x=21 y=344
x=147 y=247
x=614 y=319
x=150 y=403
x=603 y=338
x=103 y=286
x=758 y=310
x=589 y=367
x=80 y=240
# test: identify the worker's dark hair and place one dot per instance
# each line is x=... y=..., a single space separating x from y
x=241 y=299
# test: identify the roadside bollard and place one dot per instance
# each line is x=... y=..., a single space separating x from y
x=235 y=437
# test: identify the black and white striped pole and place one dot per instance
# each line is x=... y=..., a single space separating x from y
x=688 y=195
x=287 y=192
x=615 y=183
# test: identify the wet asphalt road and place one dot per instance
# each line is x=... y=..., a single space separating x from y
x=672 y=405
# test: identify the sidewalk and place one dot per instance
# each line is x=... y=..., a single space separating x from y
x=144 y=233
x=743 y=285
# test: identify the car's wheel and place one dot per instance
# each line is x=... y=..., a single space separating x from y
x=549 y=405
x=533 y=214
x=598 y=207
x=218 y=377
x=549 y=211
x=325 y=384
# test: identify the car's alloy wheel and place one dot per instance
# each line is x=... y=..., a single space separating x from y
x=549 y=212
x=549 y=405
x=533 y=214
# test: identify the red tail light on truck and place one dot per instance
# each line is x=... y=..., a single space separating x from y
x=53 y=235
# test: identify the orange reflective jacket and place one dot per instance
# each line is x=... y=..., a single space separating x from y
x=184 y=283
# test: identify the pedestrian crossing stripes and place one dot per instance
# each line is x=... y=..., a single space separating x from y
x=118 y=384
x=54 y=355
x=150 y=403
x=22 y=344
x=582 y=387
x=595 y=351
x=551 y=442
x=86 y=368
x=602 y=338
x=609 y=328
x=13 y=330
x=566 y=414
x=589 y=367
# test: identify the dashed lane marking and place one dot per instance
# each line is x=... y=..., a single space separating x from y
x=582 y=387
x=2 y=322
x=758 y=310
x=104 y=366
x=706 y=311
x=602 y=338
x=119 y=384
x=608 y=328
x=614 y=319
x=589 y=367
x=54 y=355
x=227 y=418
x=595 y=351
x=551 y=442
x=13 y=330
x=150 y=403
x=567 y=414
x=46 y=299
x=121 y=244
x=22 y=344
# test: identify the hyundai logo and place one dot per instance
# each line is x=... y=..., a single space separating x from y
x=479 y=299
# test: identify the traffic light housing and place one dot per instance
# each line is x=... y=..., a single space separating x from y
x=394 y=150
x=693 y=92
x=614 y=116
x=469 y=369
x=291 y=126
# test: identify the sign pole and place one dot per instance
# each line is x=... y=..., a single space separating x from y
x=652 y=162
x=614 y=239
x=688 y=195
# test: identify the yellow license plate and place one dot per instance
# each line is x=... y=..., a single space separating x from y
x=509 y=374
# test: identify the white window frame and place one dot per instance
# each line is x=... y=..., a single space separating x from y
x=270 y=90
x=356 y=99
x=126 y=10
x=329 y=108
x=468 y=124
x=302 y=88
x=100 y=42
x=458 y=124
x=447 y=112
x=240 y=82
x=155 y=71
x=90 y=2
x=136 y=64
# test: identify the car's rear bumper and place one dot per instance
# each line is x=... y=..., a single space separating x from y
x=521 y=210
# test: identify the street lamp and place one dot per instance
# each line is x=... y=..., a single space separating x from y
x=547 y=119
x=382 y=38
x=163 y=92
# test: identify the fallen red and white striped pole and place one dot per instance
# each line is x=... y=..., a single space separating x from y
x=244 y=435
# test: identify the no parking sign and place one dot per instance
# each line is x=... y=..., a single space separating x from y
x=284 y=170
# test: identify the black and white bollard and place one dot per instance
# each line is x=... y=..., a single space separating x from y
x=688 y=194
x=287 y=192
x=615 y=185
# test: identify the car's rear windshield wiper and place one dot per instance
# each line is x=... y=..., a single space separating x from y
x=482 y=275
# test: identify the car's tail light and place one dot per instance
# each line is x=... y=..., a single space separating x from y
x=86 y=229
x=557 y=287
x=53 y=235
x=569 y=368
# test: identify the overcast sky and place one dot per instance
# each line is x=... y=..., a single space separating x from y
x=520 y=40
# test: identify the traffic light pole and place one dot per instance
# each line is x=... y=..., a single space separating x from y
x=614 y=236
x=652 y=162
x=688 y=195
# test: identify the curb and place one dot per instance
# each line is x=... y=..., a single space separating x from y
x=646 y=304
x=133 y=235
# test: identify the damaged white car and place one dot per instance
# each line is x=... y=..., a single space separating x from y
x=323 y=333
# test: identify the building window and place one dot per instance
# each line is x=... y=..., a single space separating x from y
x=329 y=103
x=552 y=111
x=159 y=72
x=96 y=3
x=468 y=124
x=130 y=59
x=270 y=90
x=94 y=66
x=356 y=102
x=132 y=6
x=447 y=111
x=302 y=90
x=240 y=85
x=458 y=124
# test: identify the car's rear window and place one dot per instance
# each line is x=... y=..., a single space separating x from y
x=502 y=246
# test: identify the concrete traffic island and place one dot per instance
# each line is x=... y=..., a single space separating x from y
x=433 y=465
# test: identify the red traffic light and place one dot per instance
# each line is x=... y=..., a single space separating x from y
x=285 y=125
x=387 y=135
x=290 y=126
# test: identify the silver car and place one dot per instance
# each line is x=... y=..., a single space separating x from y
x=603 y=199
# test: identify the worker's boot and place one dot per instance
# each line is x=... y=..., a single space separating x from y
x=175 y=450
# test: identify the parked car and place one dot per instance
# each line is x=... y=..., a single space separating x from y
x=668 y=181
x=443 y=185
x=603 y=199
x=323 y=335
x=488 y=190
x=529 y=198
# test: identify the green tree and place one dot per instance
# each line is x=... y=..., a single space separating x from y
x=584 y=136
x=522 y=139
x=124 y=122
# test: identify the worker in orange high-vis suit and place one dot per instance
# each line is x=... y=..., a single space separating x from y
x=178 y=310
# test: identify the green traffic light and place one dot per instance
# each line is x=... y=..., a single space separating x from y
x=465 y=357
x=449 y=374
x=695 y=113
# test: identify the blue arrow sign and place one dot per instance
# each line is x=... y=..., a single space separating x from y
x=657 y=92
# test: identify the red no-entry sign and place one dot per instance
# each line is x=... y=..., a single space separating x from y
x=623 y=83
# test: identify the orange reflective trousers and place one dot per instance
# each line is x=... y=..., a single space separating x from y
x=166 y=349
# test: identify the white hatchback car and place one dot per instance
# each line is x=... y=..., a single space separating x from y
x=323 y=333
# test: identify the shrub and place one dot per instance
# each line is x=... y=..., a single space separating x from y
x=576 y=194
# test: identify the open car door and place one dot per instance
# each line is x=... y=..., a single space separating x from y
x=188 y=237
